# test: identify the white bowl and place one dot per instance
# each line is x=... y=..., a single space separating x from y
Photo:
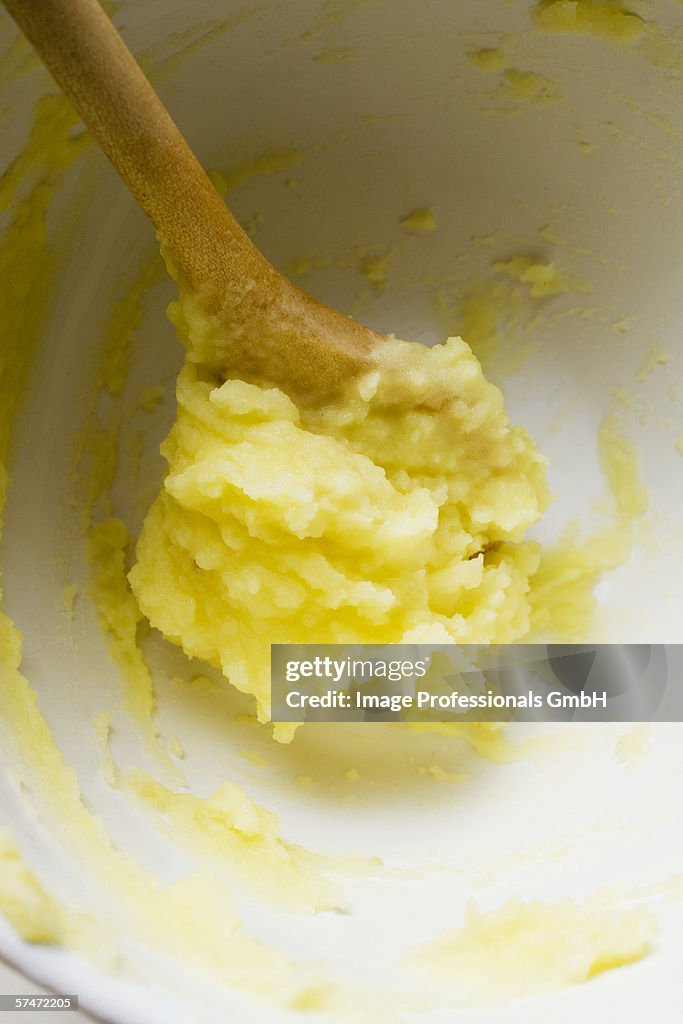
x=362 y=113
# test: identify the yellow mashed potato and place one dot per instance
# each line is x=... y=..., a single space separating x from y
x=24 y=902
x=371 y=519
x=527 y=948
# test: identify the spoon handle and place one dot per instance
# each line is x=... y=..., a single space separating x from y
x=91 y=63
x=259 y=324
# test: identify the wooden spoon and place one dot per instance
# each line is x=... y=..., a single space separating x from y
x=265 y=326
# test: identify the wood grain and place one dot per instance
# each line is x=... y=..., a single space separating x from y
x=266 y=327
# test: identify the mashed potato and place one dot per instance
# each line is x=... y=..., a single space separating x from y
x=526 y=948
x=378 y=517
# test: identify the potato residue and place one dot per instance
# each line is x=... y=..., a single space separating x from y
x=525 y=948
